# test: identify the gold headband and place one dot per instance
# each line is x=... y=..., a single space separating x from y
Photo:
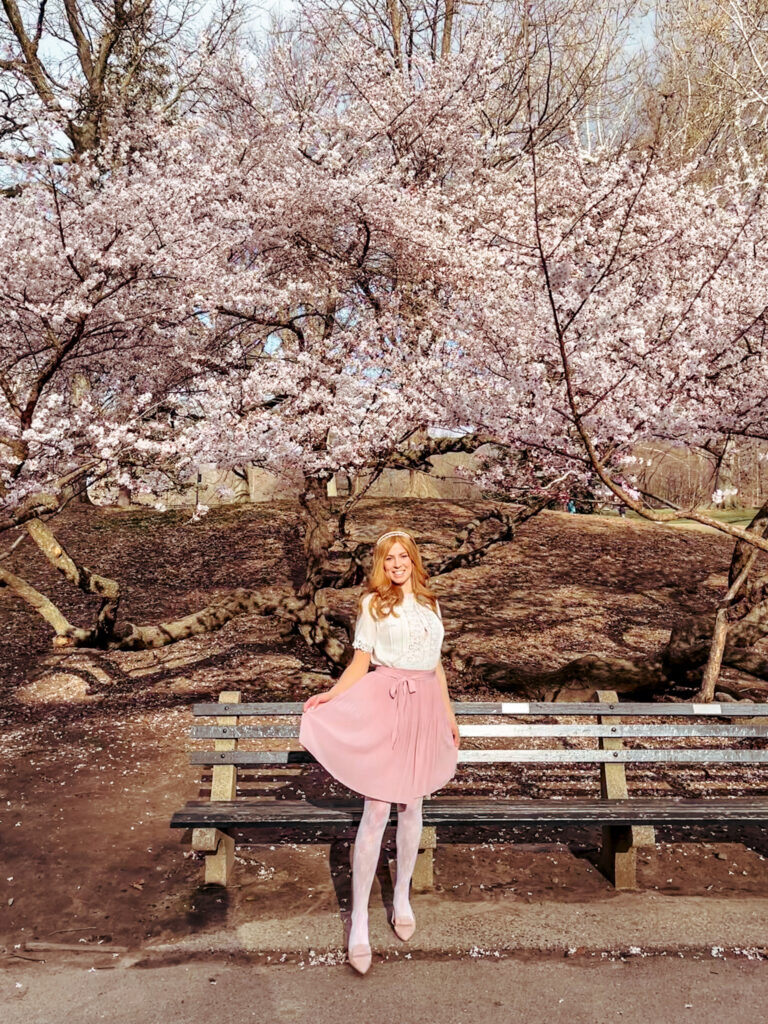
x=394 y=533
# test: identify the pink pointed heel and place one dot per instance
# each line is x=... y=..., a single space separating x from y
x=360 y=958
x=404 y=927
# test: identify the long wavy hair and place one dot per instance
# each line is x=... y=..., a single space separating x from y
x=388 y=595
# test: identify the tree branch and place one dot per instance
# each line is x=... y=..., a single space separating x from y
x=41 y=604
x=85 y=579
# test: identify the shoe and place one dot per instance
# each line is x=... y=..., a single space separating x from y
x=359 y=958
x=404 y=927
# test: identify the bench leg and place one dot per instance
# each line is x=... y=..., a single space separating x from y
x=217 y=844
x=423 y=874
x=221 y=858
x=619 y=855
x=618 y=859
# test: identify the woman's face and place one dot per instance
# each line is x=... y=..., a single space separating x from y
x=397 y=564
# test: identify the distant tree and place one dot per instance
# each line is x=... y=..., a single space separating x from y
x=707 y=93
x=88 y=68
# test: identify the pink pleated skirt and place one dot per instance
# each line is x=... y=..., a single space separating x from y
x=387 y=737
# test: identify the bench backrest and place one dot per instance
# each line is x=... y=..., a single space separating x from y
x=746 y=721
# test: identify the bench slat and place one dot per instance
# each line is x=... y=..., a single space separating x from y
x=243 y=732
x=477 y=811
x=697 y=755
x=699 y=730
x=703 y=729
x=626 y=756
x=251 y=757
x=558 y=708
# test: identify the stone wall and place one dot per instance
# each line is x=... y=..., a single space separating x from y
x=217 y=487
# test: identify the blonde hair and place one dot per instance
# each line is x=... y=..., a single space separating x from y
x=386 y=594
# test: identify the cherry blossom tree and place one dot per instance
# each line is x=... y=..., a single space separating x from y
x=336 y=256
x=629 y=305
x=225 y=294
x=101 y=339
x=360 y=287
x=574 y=57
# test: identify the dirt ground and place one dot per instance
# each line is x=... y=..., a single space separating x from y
x=94 y=746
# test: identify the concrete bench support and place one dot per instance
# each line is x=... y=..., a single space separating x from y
x=618 y=859
x=423 y=873
x=221 y=860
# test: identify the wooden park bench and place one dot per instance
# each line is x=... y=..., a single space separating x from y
x=627 y=821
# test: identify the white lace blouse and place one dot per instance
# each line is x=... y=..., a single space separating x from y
x=410 y=637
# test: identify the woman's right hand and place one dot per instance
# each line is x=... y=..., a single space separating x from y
x=318 y=698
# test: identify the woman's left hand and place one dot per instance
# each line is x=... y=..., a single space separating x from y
x=454 y=730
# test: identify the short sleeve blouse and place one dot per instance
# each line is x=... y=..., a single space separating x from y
x=411 y=636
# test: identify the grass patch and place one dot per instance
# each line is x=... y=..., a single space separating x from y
x=732 y=516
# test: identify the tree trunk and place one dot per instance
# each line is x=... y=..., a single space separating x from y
x=445 y=47
x=720 y=632
x=640 y=678
x=396 y=27
x=742 y=565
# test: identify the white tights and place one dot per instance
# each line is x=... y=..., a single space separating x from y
x=366 y=856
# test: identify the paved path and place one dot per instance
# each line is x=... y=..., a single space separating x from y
x=658 y=990
x=641 y=920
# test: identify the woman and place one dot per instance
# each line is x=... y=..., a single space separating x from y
x=388 y=733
